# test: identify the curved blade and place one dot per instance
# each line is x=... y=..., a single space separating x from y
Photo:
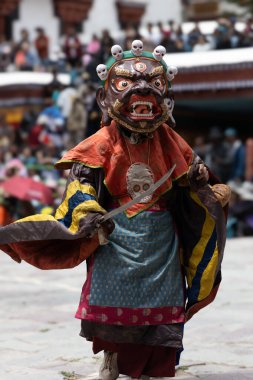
x=139 y=197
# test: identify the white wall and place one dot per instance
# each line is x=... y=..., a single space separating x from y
x=102 y=15
x=34 y=13
x=162 y=10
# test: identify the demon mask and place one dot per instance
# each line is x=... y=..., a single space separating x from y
x=136 y=92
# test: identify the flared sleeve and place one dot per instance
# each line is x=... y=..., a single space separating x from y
x=67 y=238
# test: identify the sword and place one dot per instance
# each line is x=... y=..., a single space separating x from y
x=135 y=200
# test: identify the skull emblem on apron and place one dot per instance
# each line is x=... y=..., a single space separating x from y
x=139 y=179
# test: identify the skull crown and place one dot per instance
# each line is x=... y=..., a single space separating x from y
x=117 y=52
x=136 y=51
x=102 y=71
x=159 y=52
x=171 y=72
x=137 y=47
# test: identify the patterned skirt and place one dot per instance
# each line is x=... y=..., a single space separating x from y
x=136 y=279
x=133 y=297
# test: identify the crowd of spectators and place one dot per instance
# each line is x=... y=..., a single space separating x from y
x=31 y=148
x=70 y=114
x=226 y=156
x=223 y=153
x=71 y=52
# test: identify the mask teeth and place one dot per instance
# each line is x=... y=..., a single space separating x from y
x=149 y=107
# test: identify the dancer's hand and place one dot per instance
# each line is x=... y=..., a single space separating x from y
x=203 y=173
x=198 y=175
x=90 y=224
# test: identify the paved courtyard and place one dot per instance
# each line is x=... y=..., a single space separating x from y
x=39 y=336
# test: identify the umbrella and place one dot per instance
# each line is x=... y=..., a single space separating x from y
x=27 y=189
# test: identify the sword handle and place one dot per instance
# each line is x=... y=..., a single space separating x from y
x=102 y=237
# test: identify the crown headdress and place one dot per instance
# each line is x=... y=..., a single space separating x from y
x=136 y=51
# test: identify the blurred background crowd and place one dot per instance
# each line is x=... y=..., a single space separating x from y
x=37 y=54
x=29 y=183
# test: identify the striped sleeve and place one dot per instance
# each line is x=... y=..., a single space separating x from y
x=203 y=262
x=78 y=201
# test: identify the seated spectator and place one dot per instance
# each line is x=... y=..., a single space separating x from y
x=221 y=33
x=77 y=123
x=202 y=44
x=200 y=147
x=194 y=34
x=5 y=216
x=65 y=99
x=240 y=217
x=94 y=46
x=24 y=37
x=42 y=45
x=25 y=58
x=15 y=167
x=7 y=134
x=52 y=120
x=72 y=47
x=2 y=163
x=151 y=37
x=236 y=150
x=5 y=53
x=27 y=157
x=165 y=32
x=106 y=43
x=217 y=156
x=179 y=46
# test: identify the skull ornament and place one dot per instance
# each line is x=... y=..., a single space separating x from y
x=139 y=179
x=102 y=71
x=159 y=52
x=170 y=104
x=171 y=72
x=117 y=52
x=137 y=48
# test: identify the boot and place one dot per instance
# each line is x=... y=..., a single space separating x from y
x=109 y=367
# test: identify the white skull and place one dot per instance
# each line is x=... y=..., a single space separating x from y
x=117 y=52
x=139 y=179
x=137 y=47
x=170 y=104
x=159 y=52
x=102 y=71
x=171 y=72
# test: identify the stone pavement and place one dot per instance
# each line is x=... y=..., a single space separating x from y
x=39 y=334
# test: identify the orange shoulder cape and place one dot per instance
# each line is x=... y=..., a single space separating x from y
x=110 y=150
